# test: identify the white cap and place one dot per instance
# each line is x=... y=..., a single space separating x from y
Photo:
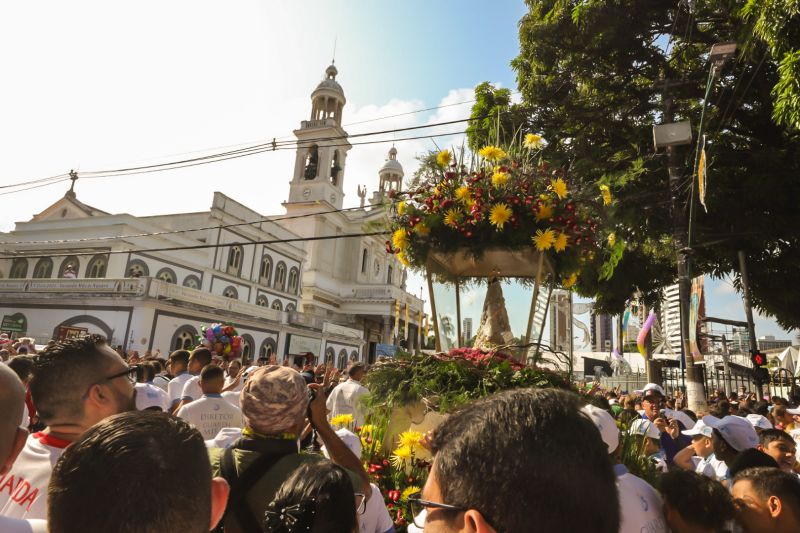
x=642 y=426
x=736 y=431
x=680 y=416
x=652 y=387
x=759 y=421
x=700 y=428
x=350 y=439
x=604 y=422
x=795 y=411
x=146 y=397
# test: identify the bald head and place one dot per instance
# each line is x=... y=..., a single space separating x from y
x=12 y=401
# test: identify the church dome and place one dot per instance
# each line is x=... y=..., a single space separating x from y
x=330 y=82
x=392 y=165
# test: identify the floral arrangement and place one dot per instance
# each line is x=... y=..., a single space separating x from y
x=506 y=202
x=480 y=358
x=222 y=339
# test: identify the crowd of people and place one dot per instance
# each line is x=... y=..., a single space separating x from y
x=90 y=441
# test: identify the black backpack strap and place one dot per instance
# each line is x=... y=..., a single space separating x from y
x=240 y=486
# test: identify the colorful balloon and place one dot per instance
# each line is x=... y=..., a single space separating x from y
x=648 y=324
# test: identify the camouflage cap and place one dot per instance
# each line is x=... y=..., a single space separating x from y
x=274 y=400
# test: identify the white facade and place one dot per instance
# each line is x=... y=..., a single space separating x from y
x=120 y=275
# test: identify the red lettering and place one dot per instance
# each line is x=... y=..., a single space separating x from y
x=8 y=483
x=30 y=498
x=18 y=494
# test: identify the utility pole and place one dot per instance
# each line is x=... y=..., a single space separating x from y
x=748 y=311
x=726 y=367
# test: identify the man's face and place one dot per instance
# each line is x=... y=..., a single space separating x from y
x=752 y=512
x=438 y=520
x=651 y=404
x=702 y=446
x=234 y=368
x=194 y=366
x=121 y=389
x=783 y=452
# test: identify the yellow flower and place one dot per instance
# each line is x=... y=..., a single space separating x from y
x=499 y=215
x=401 y=208
x=342 y=420
x=403 y=259
x=367 y=429
x=401 y=455
x=409 y=491
x=374 y=445
x=612 y=239
x=411 y=439
x=463 y=194
x=443 y=158
x=544 y=240
x=532 y=141
x=570 y=280
x=500 y=178
x=492 y=153
x=605 y=192
x=400 y=239
x=560 y=243
x=422 y=230
x=559 y=188
x=452 y=217
x=544 y=211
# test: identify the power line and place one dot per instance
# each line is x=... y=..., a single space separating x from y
x=197 y=246
x=39 y=180
x=35 y=186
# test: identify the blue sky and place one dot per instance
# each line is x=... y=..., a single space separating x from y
x=100 y=84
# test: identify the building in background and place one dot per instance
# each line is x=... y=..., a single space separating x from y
x=769 y=342
x=560 y=318
x=466 y=329
x=82 y=269
x=601 y=332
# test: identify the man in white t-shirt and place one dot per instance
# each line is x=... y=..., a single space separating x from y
x=699 y=455
x=376 y=517
x=344 y=399
x=200 y=358
x=640 y=504
x=211 y=412
x=12 y=439
x=178 y=365
x=76 y=383
x=148 y=396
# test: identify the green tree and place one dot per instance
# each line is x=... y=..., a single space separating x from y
x=495 y=119
x=595 y=76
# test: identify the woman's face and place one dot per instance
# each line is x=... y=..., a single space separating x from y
x=234 y=367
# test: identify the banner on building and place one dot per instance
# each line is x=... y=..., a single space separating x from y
x=695 y=303
x=70 y=332
x=385 y=350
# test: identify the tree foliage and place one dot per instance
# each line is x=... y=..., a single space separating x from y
x=594 y=76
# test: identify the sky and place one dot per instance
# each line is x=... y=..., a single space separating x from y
x=97 y=85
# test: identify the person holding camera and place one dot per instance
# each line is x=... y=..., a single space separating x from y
x=275 y=403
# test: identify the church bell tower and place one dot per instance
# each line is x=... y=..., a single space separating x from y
x=322 y=148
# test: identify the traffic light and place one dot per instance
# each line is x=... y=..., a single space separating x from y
x=760 y=372
x=757 y=358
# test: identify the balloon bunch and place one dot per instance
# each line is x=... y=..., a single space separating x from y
x=221 y=339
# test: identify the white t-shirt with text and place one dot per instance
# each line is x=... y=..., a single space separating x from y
x=640 y=505
x=23 y=490
x=210 y=414
x=175 y=387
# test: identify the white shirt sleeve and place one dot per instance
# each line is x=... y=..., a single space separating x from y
x=192 y=390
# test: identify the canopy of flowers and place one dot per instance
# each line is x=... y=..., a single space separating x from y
x=504 y=203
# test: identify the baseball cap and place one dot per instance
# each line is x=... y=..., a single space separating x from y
x=350 y=439
x=274 y=399
x=795 y=411
x=604 y=422
x=759 y=421
x=651 y=388
x=642 y=426
x=680 y=416
x=737 y=431
x=700 y=428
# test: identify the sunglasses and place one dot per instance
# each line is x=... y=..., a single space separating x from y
x=416 y=505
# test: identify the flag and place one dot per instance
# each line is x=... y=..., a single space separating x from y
x=396 y=317
x=701 y=176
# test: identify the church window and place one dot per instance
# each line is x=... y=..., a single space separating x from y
x=19 y=269
x=389 y=275
x=364 y=261
x=193 y=282
x=231 y=292
x=312 y=160
x=235 y=260
x=97 y=267
x=277 y=305
x=293 y=276
x=265 y=273
x=43 y=268
x=167 y=275
x=262 y=301
x=336 y=168
x=280 y=276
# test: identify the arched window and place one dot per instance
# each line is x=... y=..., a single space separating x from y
x=268 y=347
x=330 y=355
x=341 y=362
x=167 y=274
x=231 y=292
x=19 y=269
x=137 y=268
x=280 y=276
x=69 y=268
x=97 y=267
x=265 y=273
x=389 y=275
x=43 y=268
x=262 y=301
x=184 y=338
x=290 y=307
x=354 y=355
x=193 y=282
x=336 y=168
x=248 y=346
x=277 y=305
x=235 y=255
x=312 y=161
x=293 y=276
x=364 y=261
